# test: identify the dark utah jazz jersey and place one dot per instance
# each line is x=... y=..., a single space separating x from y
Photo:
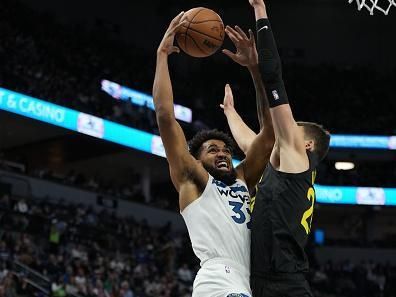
x=281 y=221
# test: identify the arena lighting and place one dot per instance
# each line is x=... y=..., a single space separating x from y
x=90 y=125
x=363 y=142
x=355 y=195
x=138 y=98
x=344 y=165
x=81 y=122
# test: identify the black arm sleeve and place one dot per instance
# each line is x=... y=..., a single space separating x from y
x=270 y=64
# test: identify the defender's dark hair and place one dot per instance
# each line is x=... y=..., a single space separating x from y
x=320 y=135
x=195 y=144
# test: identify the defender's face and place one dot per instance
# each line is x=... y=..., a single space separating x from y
x=216 y=156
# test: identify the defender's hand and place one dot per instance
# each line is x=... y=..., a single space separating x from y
x=260 y=11
x=228 y=101
x=246 y=54
x=254 y=3
x=166 y=45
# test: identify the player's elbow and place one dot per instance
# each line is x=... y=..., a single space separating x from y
x=272 y=78
x=163 y=116
x=162 y=111
x=271 y=72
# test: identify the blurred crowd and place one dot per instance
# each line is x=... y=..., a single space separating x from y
x=162 y=195
x=65 y=66
x=83 y=252
x=366 y=279
x=95 y=184
x=354 y=221
x=73 y=250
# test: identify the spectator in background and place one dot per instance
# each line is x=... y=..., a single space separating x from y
x=21 y=206
x=58 y=288
x=185 y=275
x=9 y=286
x=71 y=287
x=4 y=253
x=54 y=237
x=5 y=201
x=3 y=271
x=125 y=291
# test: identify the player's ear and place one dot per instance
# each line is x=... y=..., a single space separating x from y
x=309 y=145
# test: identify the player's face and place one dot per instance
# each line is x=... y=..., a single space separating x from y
x=216 y=154
x=216 y=158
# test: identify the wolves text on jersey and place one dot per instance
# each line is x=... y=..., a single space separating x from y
x=238 y=198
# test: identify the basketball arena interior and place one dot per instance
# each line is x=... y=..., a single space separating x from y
x=87 y=206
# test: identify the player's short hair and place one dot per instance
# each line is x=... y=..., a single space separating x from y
x=320 y=136
x=195 y=144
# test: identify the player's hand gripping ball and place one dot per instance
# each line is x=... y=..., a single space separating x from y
x=202 y=34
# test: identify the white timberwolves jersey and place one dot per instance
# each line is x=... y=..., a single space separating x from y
x=218 y=222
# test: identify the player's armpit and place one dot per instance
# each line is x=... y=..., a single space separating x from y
x=290 y=139
x=183 y=166
x=285 y=127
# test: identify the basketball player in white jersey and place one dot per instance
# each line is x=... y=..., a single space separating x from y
x=213 y=195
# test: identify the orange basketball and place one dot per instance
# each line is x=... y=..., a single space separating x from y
x=203 y=34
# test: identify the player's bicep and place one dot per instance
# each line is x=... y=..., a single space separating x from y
x=241 y=132
x=286 y=129
x=245 y=141
x=249 y=139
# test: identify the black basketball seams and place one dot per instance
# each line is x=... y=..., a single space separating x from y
x=196 y=44
x=200 y=22
x=192 y=19
x=221 y=40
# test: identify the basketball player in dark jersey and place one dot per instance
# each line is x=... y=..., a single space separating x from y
x=283 y=207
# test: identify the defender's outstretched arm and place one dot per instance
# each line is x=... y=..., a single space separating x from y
x=260 y=147
x=289 y=137
x=242 y=134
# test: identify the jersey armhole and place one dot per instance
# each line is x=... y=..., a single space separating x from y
x=207 y=187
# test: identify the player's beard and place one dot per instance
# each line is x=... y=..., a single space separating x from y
x=228 y=178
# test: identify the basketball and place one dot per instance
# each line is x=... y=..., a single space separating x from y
x=203 y=34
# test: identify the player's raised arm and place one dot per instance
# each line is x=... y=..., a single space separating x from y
x=259 y=151
x=182 y=164
x=289 y=136
x=242 y=134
